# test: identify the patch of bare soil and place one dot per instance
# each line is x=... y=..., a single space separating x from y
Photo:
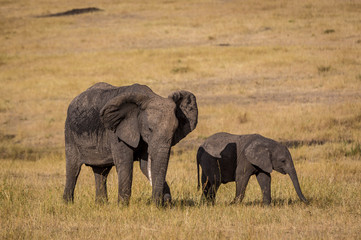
x=75 y=11
x=269 y=94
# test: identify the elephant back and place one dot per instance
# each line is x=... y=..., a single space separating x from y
x=83 y=114
x=215 y=144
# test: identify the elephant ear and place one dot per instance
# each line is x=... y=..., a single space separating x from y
x=120 y=114
x=259 y=155
x=186 y=113
x=216 y=143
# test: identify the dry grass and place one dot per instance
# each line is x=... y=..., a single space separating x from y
x=32 y=207
x=289 y=70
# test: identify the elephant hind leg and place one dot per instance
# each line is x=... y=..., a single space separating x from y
x=209 y=188
x=101 y=174
x=72 y=172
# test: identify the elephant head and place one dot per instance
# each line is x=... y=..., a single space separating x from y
x=139 y=113
x=268 y=154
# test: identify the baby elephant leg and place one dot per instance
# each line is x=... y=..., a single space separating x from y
x=264 y=180
x=211 y=178
x=209 y=188
x=241 y=185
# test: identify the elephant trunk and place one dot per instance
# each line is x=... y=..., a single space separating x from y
x=158 y=169
x=294 y=178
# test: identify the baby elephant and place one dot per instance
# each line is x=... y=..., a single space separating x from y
x=226 y=158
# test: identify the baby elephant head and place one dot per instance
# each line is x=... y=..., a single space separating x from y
x=268 y=154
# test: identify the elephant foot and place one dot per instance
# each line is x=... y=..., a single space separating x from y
x=124 y=202
x=236 y=200
x=166 y=201
x=68 y=199
x=207 y=201
x=101 y=200
x=167 y=198
x=266 y=201
x=211 y=202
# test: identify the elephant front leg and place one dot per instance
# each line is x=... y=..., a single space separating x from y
x=241 y=185
x=264 y=180
x=101 y=174
x=125 y=178
x=167 y=196
x=123 y=161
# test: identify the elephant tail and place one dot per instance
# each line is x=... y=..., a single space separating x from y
x=199 y=154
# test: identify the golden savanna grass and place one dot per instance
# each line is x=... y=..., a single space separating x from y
x=289 y=70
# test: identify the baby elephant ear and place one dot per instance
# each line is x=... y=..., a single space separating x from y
x=214 y=149
x=186 y=113
x=258 y=155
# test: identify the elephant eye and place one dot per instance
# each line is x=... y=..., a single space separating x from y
x=150 y=129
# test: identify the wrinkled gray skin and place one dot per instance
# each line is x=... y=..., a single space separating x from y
x=227 y=158
x=114 y=126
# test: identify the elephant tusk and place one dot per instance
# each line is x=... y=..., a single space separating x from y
x=149 y=170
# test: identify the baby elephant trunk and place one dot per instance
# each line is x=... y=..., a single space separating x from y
x=294 y=178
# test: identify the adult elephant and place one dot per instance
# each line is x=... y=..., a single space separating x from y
x=113 y=126
x=227 y=158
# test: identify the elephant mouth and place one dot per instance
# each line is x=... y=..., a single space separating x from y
x=280 y=170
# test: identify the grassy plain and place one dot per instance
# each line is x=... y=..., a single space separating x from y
x=289 y=70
